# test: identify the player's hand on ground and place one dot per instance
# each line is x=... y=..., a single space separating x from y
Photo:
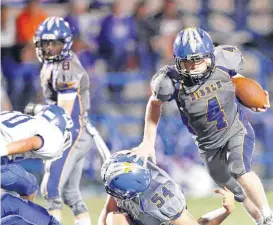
x=228 y=199
x=144 y=151
x=266 y=106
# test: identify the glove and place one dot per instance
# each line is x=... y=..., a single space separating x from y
x=32 y=109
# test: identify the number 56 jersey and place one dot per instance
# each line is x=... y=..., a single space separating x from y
x=162 y=202
x=16 y=126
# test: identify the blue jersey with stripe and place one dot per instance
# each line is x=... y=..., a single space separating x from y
x=67 y=79
x=208 y=110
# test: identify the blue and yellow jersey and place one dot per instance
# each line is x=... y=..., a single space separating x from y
x=208 y=110
x=67 y=80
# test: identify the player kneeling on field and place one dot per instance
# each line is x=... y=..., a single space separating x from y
x=149 y=196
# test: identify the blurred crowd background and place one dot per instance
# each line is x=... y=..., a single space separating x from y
x=122 y=43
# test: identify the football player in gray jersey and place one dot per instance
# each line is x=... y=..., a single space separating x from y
x=200 y=83
x=148 y=196
x=66 y=84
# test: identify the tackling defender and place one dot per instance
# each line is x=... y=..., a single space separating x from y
x=200 y=83
x=66 y=83
x=148 y=196
x=43 y=136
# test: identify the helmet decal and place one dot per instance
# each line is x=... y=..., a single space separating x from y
x=192 y=36
x=123 y=178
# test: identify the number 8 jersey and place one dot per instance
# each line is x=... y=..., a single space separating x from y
x=16 y=126
x=208 y=110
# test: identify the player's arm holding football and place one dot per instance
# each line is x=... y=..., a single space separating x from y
x=162 y=91
x=231 y=58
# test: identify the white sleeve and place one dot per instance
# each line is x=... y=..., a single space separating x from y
x=53 y=141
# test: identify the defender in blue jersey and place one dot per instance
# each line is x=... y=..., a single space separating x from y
x=148 y=196
x=44 y=136
x=200 y=84
x=16 y=211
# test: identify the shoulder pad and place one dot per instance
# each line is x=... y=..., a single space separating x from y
x=162 y=85
x=230 y=57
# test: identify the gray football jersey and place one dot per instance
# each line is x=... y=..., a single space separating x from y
x=162 y=202
x=67 y=77
x=209 y=110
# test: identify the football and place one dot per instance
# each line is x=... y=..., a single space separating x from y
x=249 y=92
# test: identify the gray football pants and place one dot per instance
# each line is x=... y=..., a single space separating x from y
x=62 y=177
x=225 y=165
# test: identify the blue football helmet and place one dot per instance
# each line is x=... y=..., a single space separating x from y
x=57 y=31
x=57 y=116
x=194 y=45
x=123 y=178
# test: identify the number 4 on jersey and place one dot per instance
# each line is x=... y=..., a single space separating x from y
x=216 y=114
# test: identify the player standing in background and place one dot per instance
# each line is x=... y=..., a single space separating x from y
x=43 y=136
x=65 y=83
x=148 y=196
x=200 y=83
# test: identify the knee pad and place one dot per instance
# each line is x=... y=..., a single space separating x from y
x=79 y=208
x=71 y=197
x=54 y=204
x=237 y=168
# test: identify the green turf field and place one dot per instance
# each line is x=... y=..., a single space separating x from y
x=196 y=206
